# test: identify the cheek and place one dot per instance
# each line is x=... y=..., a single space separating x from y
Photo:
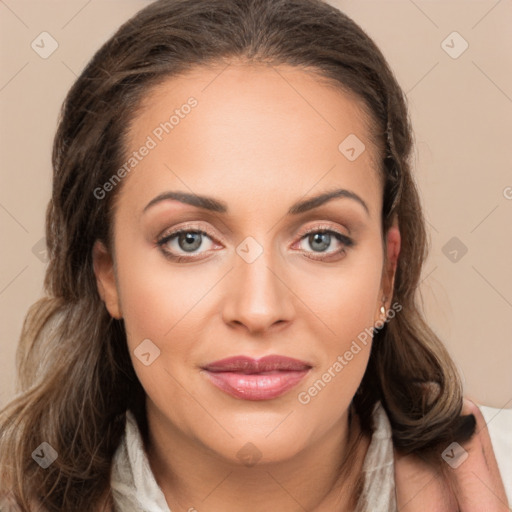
x=166 y=305
x=343 y=305
x=343 y=298
x=161 y=302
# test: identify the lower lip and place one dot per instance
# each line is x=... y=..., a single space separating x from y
x=256 y=386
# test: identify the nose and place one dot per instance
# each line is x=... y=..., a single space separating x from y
x=258 y=294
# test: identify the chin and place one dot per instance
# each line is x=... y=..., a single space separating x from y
x=264 y=442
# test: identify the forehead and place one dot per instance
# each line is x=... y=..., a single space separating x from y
x=252 y=128
x=256 y=91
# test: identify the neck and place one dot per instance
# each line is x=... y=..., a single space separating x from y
x=322 y=478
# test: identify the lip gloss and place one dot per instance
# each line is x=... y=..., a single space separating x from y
x=258 y=386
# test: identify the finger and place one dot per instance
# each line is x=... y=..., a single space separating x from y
x=483 y=433
x=473 y=473
x=420 y=487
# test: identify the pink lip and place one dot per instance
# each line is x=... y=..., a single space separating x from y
x=256 y=379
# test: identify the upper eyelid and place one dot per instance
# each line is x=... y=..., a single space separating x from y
x=322 y=227
x=168 y=233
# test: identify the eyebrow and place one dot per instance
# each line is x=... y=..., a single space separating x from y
x=214 y=205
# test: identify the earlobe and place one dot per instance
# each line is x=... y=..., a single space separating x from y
x=105 y=279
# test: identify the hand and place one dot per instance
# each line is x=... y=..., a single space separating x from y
x=474 y=486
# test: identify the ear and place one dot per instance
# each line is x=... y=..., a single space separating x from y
x=103 y=264
x=393 y=240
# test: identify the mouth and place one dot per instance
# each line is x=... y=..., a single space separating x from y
x=256 y=379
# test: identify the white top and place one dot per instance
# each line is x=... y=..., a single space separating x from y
x=135 y=489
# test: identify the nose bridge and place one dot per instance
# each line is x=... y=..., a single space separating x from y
x=257 y=295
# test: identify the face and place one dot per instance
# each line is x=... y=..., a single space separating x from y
x=258 y=269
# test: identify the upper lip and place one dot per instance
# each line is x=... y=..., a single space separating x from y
x=245 y=364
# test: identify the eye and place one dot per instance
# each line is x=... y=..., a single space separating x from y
x=183 y=241
x=184 y=244
x=320 y=239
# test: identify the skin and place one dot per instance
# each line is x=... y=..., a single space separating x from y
x=470 y=487
x=259 y=146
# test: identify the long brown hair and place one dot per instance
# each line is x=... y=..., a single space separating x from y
x=76 y=380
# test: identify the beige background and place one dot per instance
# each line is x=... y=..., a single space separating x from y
x=461 y=110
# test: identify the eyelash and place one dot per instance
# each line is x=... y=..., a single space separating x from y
x=165 y=239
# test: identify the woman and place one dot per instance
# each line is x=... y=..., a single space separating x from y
x=235 y=243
